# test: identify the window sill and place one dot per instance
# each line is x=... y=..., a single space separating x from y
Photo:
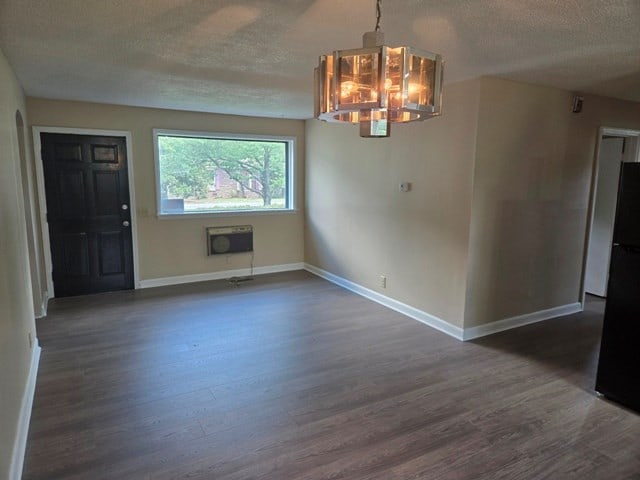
x=239 y=213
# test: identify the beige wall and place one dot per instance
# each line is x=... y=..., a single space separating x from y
x=583 y=136
x=532 y=185
x=16 y=307
x=527 y=218
x=359 y=225
x=171 y=247
x=495 y=226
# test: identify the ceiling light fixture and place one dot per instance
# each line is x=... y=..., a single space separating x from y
x=378 y=85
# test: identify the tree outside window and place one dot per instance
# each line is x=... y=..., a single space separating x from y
x=222 y=174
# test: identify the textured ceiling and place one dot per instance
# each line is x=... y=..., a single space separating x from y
x=256 y=57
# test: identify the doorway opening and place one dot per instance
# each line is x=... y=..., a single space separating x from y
x=613 y=147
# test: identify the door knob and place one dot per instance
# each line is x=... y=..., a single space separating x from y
x=125 y=206
x=125 y=223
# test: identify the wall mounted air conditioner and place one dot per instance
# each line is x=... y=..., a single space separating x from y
x=225 y=240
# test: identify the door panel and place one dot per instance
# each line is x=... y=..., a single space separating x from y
x=86 y=184
x=68 y=152
x=599 y=253
x=104 y=153
x=71 y=194
x=111 y=249
x=107 y=194
x=75 y=254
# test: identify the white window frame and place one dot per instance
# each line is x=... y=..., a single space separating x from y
x=291 y=187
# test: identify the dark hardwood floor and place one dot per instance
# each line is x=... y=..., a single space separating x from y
x=290 y=377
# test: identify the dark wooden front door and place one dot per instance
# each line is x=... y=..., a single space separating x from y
x=88 y=213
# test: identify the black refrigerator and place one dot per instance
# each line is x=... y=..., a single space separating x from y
x=618 y=375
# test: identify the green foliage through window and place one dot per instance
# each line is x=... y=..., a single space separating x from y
x=200 y=174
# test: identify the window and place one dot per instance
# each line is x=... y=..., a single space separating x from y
x=216 y=173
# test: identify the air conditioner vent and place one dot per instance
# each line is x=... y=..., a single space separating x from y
x=226 y=240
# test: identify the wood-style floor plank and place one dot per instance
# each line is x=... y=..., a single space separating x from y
x=289 y=377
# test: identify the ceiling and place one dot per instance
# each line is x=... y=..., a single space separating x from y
x=256 y=57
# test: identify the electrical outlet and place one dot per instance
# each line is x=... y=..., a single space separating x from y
x=382 y=281
x=30 y=340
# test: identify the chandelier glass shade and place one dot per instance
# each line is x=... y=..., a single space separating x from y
x=378 y=85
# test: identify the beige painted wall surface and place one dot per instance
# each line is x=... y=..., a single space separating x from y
x=526 y=218
x=532 y=185
x=170 y=247
x=16 y=308
x=359 y=225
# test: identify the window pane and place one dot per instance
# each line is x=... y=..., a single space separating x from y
x=202 y=174
x=421 y=80
x=358 y=79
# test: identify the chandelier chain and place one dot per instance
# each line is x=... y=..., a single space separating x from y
x=378 y=14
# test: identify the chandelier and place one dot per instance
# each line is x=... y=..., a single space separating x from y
x=377 y=85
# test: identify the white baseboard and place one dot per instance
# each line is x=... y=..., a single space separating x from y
x=521 y=320
x=408 y=310
x=204 y=277
x=20 y=443
x=442 y=325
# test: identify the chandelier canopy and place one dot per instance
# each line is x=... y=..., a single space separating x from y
x=378 y=85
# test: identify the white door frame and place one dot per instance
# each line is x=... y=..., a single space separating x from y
x=42 y=197
x=603 y=131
